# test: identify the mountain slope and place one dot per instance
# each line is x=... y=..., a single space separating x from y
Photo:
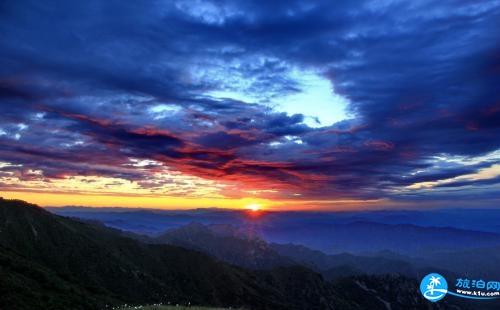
x=50 y=262
x=227 y=244
x=100 y=263
x=27 y=285
x=230 y=245
x=362 y=237
x=342 y=265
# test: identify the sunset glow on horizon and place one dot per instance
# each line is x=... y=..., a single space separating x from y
x=183 y=203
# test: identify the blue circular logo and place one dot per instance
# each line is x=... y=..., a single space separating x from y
x=434 y=287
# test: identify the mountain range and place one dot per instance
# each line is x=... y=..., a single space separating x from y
x=363 y=232
x=52 y=262
x=154 y=221
x=232 y=245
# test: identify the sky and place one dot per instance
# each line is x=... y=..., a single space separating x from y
x=285 y=104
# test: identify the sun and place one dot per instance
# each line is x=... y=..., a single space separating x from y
x=254 y=207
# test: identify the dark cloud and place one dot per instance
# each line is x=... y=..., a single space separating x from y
x=85 y=87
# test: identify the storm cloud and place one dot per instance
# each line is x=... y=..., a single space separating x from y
x=85 y=87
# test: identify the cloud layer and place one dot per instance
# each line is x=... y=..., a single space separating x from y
x=90 y=89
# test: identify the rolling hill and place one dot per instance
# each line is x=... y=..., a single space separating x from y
x=54 y=262
x=230 y=245
x=51 y=262
x=227 y=244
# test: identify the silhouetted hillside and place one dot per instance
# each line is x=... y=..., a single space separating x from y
x=342 y=265
x=54 y=262
x=51 y=262
x=225 y=243
x=230 y=245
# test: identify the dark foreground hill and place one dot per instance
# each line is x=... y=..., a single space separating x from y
x=65 y=264
x=52 y=262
